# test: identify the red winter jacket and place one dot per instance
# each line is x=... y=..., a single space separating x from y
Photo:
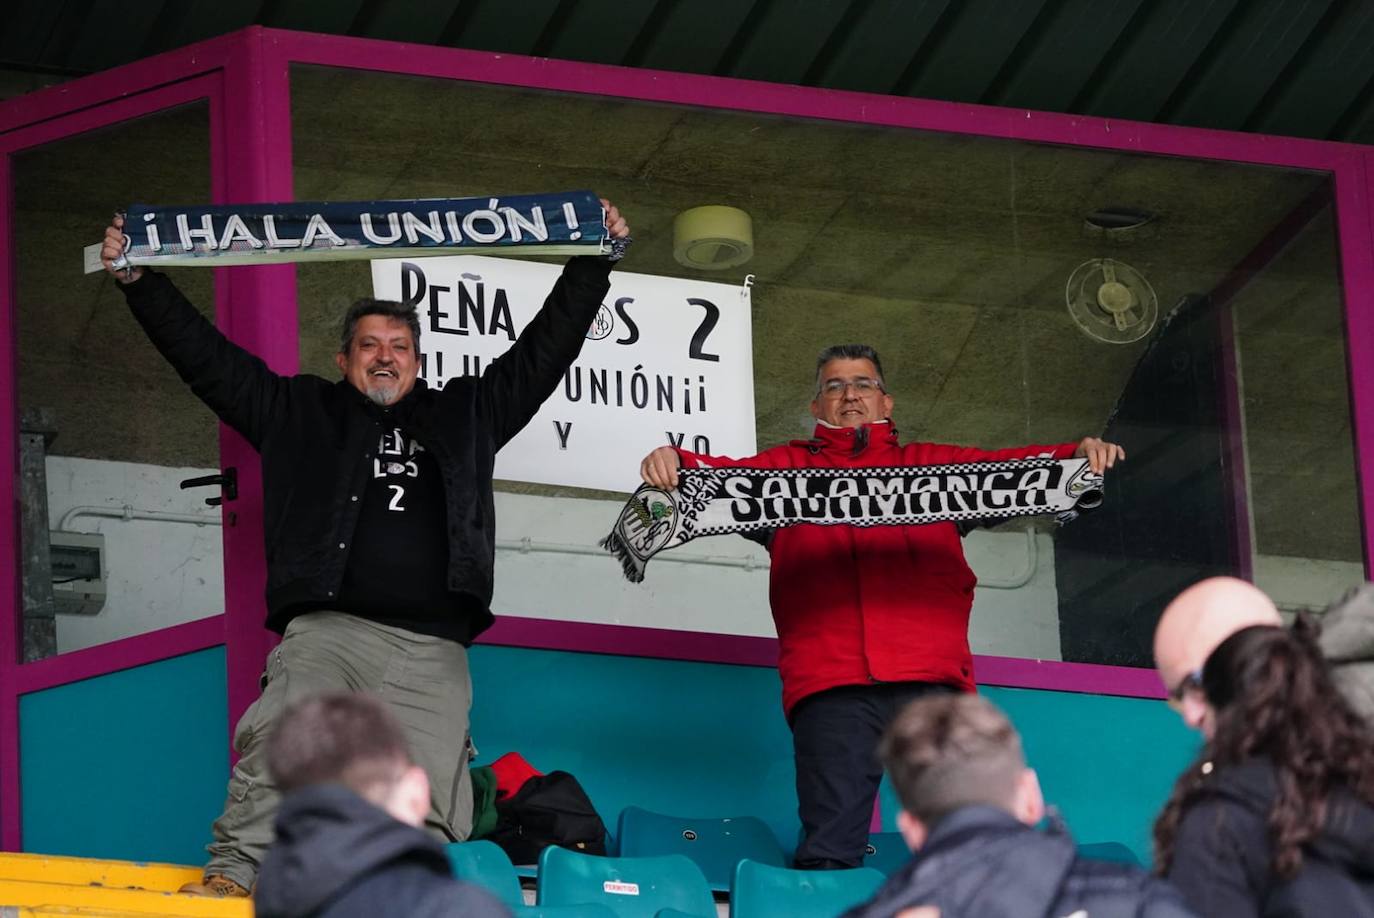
x=855 y=605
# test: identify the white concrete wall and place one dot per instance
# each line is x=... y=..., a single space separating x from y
x=1302 y=583
x=690 y=589
x=157 y=574
x=1016 y=606
x=162 y=573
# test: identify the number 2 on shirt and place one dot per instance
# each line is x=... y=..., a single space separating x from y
x=397 y=492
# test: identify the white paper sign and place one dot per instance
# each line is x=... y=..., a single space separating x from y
x=666 y=361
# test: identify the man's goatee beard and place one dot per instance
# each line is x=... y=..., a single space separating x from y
x=382 y=395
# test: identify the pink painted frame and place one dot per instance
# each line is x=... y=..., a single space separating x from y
x=251 y=160
x=17 y=679
x=1349 y=165
x=243 y=167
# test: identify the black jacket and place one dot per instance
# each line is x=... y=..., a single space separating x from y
x=1222 y=856
x=338 y=856
x=316 y=437
x=980 y=862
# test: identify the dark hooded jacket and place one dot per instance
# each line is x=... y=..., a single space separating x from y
x=980 y=862
x=338 y=856
x=1223 y=859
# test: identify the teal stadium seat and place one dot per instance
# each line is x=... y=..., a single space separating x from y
x=630 y=887
x=1115 y=852
x=484 y=864
x=586 y=910
x=715 y=845
x=887 y=852
x=765 y=891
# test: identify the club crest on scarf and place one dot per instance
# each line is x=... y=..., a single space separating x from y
x=648 y=521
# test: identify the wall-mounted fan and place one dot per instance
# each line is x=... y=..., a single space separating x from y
x=1111 y=301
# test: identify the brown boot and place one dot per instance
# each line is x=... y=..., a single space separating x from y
x=216 y=886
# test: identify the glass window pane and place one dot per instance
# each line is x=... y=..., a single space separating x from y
x=1019 y=294
x=114 y=429
x=1289 y=328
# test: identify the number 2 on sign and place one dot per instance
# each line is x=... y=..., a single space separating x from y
x=397 y=492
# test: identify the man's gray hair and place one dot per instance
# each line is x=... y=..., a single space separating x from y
x=948 y=751
x=367 y=306
x=848 y=352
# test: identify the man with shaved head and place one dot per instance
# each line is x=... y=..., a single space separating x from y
x=1192 y=626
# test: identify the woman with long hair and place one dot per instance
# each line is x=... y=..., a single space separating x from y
x=1276 y=816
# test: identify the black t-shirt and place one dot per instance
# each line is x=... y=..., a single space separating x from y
x=397 y=570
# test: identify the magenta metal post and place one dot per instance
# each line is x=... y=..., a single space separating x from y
x=28 y=123
x=1343 y=161
x=253 y=163
x=11 y=579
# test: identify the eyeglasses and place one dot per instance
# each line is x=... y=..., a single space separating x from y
x=863 y=386
x=1192 y=682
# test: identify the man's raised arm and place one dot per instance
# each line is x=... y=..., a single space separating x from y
x=518 y=382
x=235 y=384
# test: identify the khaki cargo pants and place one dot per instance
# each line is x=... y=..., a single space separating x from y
x=423 y=679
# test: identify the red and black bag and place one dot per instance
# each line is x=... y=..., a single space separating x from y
x=550 y=809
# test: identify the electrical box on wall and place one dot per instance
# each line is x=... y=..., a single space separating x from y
x=78 y=572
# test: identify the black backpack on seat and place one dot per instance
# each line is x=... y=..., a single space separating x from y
x=551 y=809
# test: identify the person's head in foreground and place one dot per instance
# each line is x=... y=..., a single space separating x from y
x=1192 y=626
x=352 y=740
x=947 y=752
x=970 y=806
x=348 y=840
x=1264 y=699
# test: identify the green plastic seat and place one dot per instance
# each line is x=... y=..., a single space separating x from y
x=715 y=845
x=485 y=864
x=765 y=891
x=887 y=852
x=630 y=887
x=1115 y=852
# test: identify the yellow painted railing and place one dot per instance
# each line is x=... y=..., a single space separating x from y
x=35 y=884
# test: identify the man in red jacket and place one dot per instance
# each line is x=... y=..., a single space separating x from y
x=868 y=618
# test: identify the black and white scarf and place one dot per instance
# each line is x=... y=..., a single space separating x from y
x=715 y=501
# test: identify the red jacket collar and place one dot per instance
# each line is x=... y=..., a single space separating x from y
x=842 y=438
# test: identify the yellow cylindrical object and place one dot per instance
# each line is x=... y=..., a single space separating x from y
x=713 y=237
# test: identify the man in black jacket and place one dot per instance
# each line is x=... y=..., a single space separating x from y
x=969 y=808
x=378 y=517
x=348 y=840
